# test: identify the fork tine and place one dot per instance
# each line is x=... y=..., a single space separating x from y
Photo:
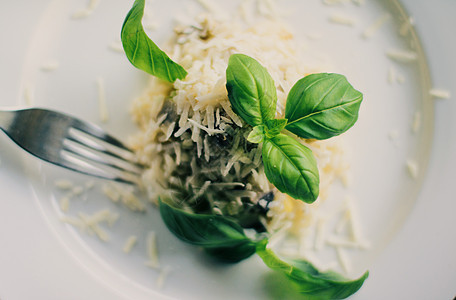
x=77 y=163
x=99 y=158
x=96 y=131
x=127 y=157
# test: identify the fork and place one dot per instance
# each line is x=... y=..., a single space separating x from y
x=71 y=143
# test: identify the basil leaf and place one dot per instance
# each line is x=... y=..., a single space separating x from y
x=321 y=106
x=232 y=254
x=291 y=167
x=309 y=281
x=256 y=135
x=218 y=235
x=251 y=90
x=274 y=127
x=142 y=52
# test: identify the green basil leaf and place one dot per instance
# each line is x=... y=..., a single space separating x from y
x=321 y=106
x=256 y=135
x=251 y=90
x=309 y=280
x=142 y=52
x=233 y=254
x=274 y=127
x=218 y=235
x=291 y=167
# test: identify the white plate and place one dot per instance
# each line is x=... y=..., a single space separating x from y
x=407 y=220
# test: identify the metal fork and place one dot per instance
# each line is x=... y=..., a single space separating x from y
x=70 y=143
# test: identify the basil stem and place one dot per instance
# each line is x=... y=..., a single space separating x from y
x=321 y=106
x=291 y=167
x=219 y=236
x=257 y=134
x=274 y=127
x=251 y=90
x=308 y=280
x=142 y=52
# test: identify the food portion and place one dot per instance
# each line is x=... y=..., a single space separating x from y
x=234 y=130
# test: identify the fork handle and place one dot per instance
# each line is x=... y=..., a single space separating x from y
x=6 y=119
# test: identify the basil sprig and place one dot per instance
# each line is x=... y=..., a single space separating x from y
x=224 y=239
x=308 y=280
x=142 y=52
x=319 y=106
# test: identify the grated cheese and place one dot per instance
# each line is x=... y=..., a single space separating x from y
x=359 y=2
x=116 y=46
x=91 y=223
x=375 y=26
x=210 y=6
x=440 y=93
x=339 y=18
x=164 y=272
x=394 y=135
x=394 y=76
x=403 y=56
x=111 y=193
x=341 y=242
x=412 y=168
x=227 y=108
x=268 y=9
x=334 y=2
x=209 y=131
x=77 y=222
x=416 y=122
x=320 y=234
x=152 y=250
x=65 y=204
x=87 y=11
x=130 y=243
x=391 y=75
x=343 y=259
x=355 y=224
x=406 y=26
x=29 y=94
x=124 y=195
x=64 y=184
x=50 y=65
